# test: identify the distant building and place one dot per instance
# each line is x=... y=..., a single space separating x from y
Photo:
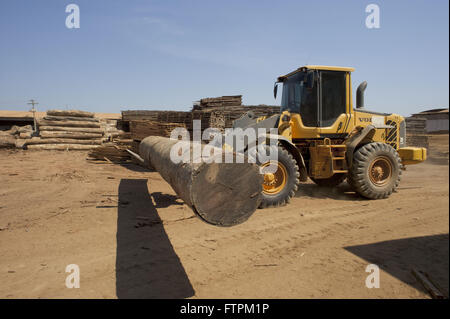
x=436 y=120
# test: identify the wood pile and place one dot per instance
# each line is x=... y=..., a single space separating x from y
x=416 y=132
x=160 y=123
x=416 y=125
x=65 y=130
x=222 y=119
x=8 y=138
x=110 y=130
x=222 y=101
x=110 y=153
x=143 y=128
x=157 y=116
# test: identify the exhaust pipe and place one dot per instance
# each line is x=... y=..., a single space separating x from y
x=360 y=95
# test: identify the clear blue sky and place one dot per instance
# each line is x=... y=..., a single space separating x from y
x=140 y=54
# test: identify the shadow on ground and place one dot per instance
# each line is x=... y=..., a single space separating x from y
x=341 y=192
x=146 y=263
x=137 y=168
x=399 y=257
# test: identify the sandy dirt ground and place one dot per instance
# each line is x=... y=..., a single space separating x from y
x=132 y=238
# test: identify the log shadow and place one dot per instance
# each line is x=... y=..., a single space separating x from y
x=163 y=200
x=135 y=167
x=146 y=263
x=398 y=257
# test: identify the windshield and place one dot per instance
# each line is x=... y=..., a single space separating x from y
x=299 y=98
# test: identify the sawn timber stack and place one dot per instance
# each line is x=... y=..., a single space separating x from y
x=221 y=194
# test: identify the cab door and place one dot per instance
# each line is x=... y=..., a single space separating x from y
x=334 y=104
x=305 y=118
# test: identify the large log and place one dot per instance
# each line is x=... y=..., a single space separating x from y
x=222 y=194
x=75 y=113
x=71 y=129
x=65 y=134
x=7 y=140
x=71 y=118
x=61 y=147
x=38 y=140
x=67 y=123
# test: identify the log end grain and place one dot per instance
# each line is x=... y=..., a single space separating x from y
x=226 y=194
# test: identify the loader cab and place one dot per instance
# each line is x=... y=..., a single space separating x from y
x=318 y=101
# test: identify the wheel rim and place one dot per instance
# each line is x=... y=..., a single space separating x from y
x=380 y=171
x=274 y=182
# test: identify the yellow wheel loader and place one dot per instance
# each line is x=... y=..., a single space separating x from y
x=323 y=137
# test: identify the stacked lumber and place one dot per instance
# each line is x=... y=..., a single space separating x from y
x=222 y=101
x=222 y=119
x=212 y=112
x=159 y=123
x=416 y=125
x=66 y=130
x=111 y=153
x=157 y=116
x=416 y=132
x=143 y=128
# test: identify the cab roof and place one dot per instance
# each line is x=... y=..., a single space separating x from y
x=317 y=67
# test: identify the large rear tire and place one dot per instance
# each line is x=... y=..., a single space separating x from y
x=280 y=186
x=333 y=181
x=376 y=171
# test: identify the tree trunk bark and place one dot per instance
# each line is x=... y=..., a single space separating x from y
x=61 y=147
x=71 y=129
x=71 y=118
x=222 y=194
x=37 y=140
x=65 y=134
x=70 y=113
x=67 y=123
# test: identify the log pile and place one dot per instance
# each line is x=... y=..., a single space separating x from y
x=416 y=132
x=8 y=138
x=65 y=130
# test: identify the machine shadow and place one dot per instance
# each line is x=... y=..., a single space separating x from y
x=146 y=263
x=398 y=257
x=341 y=192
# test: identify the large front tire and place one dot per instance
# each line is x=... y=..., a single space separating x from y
x=376 y=171
x=279 y=187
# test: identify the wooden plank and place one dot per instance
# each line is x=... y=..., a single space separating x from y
x=427 y=284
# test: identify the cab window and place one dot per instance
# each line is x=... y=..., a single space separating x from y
x=333 y=97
